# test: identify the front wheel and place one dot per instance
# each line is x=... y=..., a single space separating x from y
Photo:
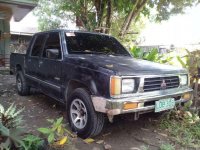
x=22 y=86
x=83 y=119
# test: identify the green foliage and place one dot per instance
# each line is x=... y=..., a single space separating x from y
x=11 y=118
x=115 y=17
x=51 y=15
x=32 y=142
x=10 y=128
x=137 y=52
x=167 y=147
x=183 y=126
x=57 y=134
x=166 y=8
x=152 y=55
x=11 y=138
x=190 y=61
x=51 y=132
x=187 y=105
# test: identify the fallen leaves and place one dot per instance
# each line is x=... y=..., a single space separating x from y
x=63 y=140
x=100 y=141
x=106 y=134
x=162 y=134
x=107 y=146
x=89 y=140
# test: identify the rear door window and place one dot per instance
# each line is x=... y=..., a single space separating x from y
x=38 y=45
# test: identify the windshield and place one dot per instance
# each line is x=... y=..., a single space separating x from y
x=88 y=43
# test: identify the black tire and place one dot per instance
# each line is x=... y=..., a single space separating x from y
x=22 y=89
x=95 y=120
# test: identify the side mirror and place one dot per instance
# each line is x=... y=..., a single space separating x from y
x=52 y=53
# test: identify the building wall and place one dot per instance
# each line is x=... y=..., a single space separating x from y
x=18 y=10
x=19 y=43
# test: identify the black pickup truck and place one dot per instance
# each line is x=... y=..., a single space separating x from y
x=94 y=76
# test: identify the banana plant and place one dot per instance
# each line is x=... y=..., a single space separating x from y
x=11 y=128
x=11 y=118
x=11 y=138
x=191 y=61
x=152 y=55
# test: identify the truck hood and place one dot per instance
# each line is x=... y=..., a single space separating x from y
x=123 y=65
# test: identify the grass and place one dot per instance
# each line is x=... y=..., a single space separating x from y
x=182 y=132
x=143 y=147
x=167 y=147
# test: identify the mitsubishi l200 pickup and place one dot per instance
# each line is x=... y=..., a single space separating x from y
x=95 y=76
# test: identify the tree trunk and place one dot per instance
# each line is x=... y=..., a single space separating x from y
x=99 y=4
x=139 y=5
x=108 y=19
x=84 y=15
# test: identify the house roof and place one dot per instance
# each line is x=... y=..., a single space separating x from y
x=16 y=8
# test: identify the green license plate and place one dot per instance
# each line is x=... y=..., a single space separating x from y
x=164 y=104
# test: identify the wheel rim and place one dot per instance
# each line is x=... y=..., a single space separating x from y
x=19 y=84
x=78 y=113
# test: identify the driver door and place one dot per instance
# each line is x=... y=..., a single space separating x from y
x=50 y=66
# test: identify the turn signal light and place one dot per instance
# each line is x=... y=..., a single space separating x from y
x=187 y=96
x=115 y=85
x=129 y=105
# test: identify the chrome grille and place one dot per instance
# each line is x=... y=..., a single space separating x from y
x=155 y=83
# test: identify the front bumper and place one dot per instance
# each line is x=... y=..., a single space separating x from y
x=116 y=106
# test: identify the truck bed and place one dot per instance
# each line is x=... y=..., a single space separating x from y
x=16 y=59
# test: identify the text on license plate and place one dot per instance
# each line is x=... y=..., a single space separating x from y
x=164 y=104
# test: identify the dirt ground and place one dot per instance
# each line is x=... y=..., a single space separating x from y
x=123 y=134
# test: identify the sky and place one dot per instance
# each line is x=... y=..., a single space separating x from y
x=178 y=30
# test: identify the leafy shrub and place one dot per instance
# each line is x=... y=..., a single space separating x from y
x=13 y=137
x=11 y=118
x=190 y=61
x=10 y=128
x=32 y=142
x=57 y=135
x=152 y=55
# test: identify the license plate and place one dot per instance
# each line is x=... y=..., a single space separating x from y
x=164 y=104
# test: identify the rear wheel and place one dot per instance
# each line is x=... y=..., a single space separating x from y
x=83 y=119
x=22 y=86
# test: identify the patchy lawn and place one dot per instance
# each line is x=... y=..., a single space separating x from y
x=124 y=133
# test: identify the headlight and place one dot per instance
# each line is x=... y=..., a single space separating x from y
x=120 y=86
x=183 y=79
x=128 y=85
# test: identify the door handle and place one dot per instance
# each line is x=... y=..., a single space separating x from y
x=40 y=63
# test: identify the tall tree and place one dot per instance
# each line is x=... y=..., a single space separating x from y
x=103 y=15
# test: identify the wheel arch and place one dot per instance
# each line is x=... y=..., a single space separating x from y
x=19 y=67
x=74 y=84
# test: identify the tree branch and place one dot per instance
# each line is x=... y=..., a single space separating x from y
x=137 y=7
